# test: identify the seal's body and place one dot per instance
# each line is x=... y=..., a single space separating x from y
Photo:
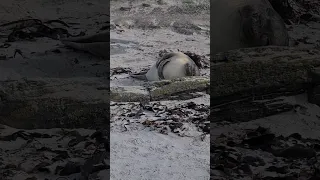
x=245 y=23
x=170 y=66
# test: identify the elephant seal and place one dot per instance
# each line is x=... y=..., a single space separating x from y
x=245 y=23
x=170 y=66
x=97 y=44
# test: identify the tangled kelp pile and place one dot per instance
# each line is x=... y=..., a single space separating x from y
x=180 y=119
x=28 y=29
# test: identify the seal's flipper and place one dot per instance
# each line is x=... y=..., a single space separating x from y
x=141 y=76
x=161 y=65
x=100 y=49
x=101 y=37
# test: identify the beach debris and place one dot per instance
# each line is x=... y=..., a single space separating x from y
x=28 y=29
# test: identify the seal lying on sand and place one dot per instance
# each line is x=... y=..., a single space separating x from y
x=170 y=66
x=245 y=23
x=98 y=44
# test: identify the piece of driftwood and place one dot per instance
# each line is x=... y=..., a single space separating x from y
x=78 y=102
x=241 y=77
x=97 y=44
x=54 y=103
x=176 y=89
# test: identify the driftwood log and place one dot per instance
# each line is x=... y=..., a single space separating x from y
x=54 y=103
x=79 y=102
x=248 y=83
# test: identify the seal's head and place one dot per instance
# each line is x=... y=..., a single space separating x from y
x=261 y=26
